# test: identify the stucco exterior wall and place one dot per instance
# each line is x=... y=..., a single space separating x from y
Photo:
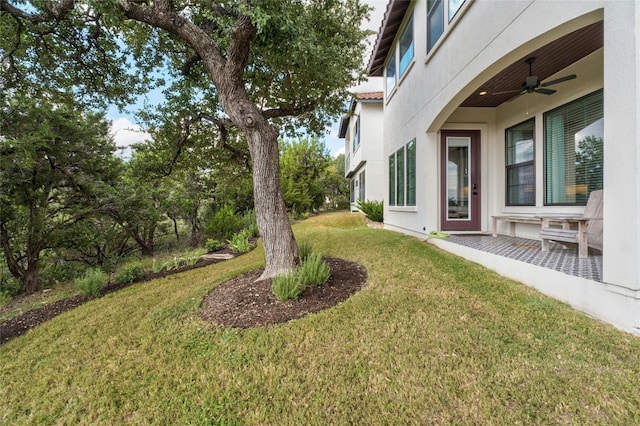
x=487 y=37
x=368 y=156
x=371 y=128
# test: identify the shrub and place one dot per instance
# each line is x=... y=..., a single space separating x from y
x=313 y=271
x=250 y=222
x=91 y=282
x=252 y=230
x=373 y=210
x=191 y=260
x=286 y=286
x=172 y=264
x=130 y=273
x=157 y=266
x=4 y=298
x=240 y=243
x=305 y=249
x=212 y=245
x=224 y=223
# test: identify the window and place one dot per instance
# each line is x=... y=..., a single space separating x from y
x=454 y=7
x=353 y=190
x=392 y=179
x=520 y=173
x=362 y=186
x=411 y=173
x=356 y=137
x=406 y=46
x=574 y=143
x=391 y=73
x=402 y=176
x=436 y=22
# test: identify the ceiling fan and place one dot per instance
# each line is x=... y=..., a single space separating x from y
x=533 y=85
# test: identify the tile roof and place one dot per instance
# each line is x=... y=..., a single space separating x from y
x=369 y=96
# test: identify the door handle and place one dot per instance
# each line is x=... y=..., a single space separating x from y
x=475 y=188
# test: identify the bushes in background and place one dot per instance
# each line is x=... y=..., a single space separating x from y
x=91 y=282
x=130 y=273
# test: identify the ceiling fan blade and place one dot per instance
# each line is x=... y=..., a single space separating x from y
x=516 y=96
x=559 y=80
x=545 y=91
x=504 y=92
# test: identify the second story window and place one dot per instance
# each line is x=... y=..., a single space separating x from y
x=390 y=81
x=356 y=136
x=436 y=22
x=406 y=46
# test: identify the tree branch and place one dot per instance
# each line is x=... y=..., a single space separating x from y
x=53 y=10
x=186 y=68
x=290 y=111
x=165 y=16
x=238 y=55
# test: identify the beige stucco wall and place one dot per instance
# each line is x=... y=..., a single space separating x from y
x=487 y=37
x=370 y=149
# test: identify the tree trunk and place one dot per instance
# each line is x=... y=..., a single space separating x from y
x=280 y=246
x=227 y=73
x=30 y=279
x=195 y=236
x=175 y=229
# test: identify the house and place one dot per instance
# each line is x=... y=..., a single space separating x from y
x=520 y=107
x=361 y=128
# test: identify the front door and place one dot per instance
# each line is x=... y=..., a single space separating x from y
x=460 y=187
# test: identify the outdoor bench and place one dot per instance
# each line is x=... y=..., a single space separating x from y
x=513 y=219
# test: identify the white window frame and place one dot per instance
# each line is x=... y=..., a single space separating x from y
x=451 y=14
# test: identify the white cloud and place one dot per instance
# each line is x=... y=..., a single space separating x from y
x=339 y=151
x=126 y=134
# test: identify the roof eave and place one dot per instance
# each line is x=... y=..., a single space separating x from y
x=393 y=17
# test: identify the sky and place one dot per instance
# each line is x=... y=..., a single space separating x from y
x=127 y=132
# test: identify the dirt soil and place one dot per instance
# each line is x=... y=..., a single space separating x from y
x=244 y=303
x=241 y=302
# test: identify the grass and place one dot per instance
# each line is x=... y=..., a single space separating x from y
x=21 y=304
x=432 y=339
x=24 y=303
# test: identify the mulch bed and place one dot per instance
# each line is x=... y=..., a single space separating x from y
x=244 y=302
x=20 y=324
x=241 y=302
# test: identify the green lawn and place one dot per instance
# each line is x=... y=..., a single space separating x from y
x=432 y=339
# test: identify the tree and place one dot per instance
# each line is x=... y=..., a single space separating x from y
x=336 y=186
x=303 y=163
x=256 y=65
x=56 y=168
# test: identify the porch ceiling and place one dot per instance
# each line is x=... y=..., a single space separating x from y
x=550 y=59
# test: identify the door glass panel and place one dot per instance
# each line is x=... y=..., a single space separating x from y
x=458 y=177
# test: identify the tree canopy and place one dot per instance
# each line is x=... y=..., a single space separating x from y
x=57 y=169
x=256 y=67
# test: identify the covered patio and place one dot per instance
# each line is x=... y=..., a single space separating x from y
x=559 y=259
